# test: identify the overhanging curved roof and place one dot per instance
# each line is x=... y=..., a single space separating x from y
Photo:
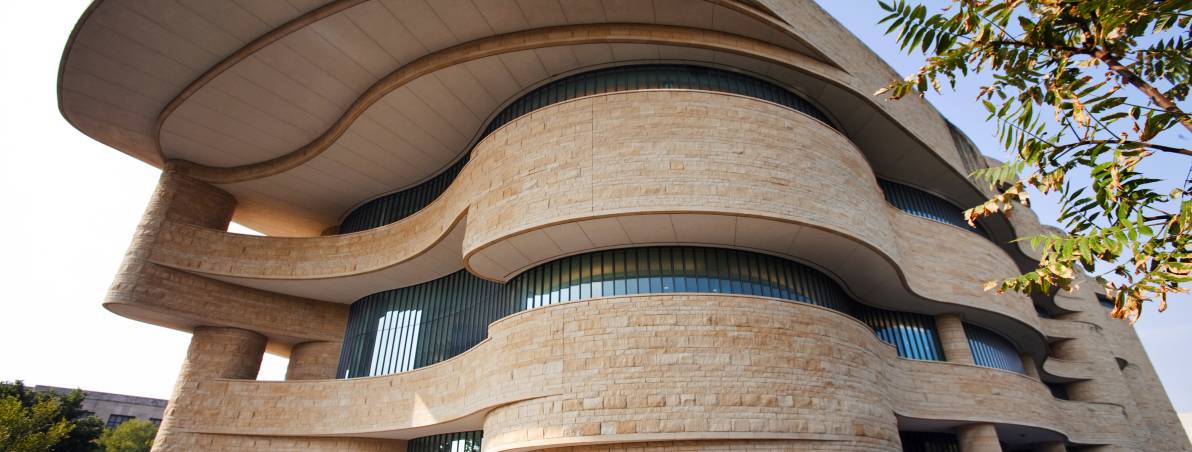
x=304 y=111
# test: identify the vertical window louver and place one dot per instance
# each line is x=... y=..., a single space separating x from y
x=675 y=269
x=404 y=329
x=395 y=206
x=992 y=350
x=925 y=205
x=914 y=335
x=412 y=327
x=447 y=442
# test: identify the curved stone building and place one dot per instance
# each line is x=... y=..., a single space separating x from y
x=577 y=225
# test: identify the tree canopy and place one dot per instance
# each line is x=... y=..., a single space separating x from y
x=1082 y=93
x=131 y=436
x=45 y=421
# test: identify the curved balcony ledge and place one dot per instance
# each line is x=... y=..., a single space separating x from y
x=621 y=170
x=546 y=376
x=1056 y=329
x=1070 y=370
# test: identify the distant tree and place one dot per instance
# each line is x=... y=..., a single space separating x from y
x=83 y=427
x=132 y=436
x=34 y=428
x=1079 y=87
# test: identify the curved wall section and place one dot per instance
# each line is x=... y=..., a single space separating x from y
x=412 y=327
x=395 y=206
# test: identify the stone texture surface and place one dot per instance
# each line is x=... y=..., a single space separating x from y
x=528 y=176
x=229 y=443
x=978 y=438
x=213 y=353
x=315 y=360
x=654 y=368
x=953 y=339
x=547 y=183
x=155 y=294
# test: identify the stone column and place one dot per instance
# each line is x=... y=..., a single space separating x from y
x=973 y=437
x=314 y=360
x=953 y=339
x=214 y=352
x=978 y=438
x=1028 y=363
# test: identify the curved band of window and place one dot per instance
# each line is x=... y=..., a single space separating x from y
x=447 y=442
x=925 y=205
x=395 y=206
x=992 y=350
x=404 y=329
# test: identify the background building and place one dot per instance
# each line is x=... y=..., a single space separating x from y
x=577 y=225
x=116 y=409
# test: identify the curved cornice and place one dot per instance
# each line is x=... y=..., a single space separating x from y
x=496 y=45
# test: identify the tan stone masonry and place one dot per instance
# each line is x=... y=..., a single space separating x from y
x=674 y=367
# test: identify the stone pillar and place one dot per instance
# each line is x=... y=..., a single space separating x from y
x=978 y=438
x=314 y=360
x=1055 y=446
x=1028 y=363
x=953 y=339
x=214 y=352
x=972 y=437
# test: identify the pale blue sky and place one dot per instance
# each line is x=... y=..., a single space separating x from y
x=71 y=206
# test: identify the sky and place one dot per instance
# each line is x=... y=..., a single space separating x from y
x=71 y=205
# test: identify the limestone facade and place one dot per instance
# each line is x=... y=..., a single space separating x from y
x=621 y=169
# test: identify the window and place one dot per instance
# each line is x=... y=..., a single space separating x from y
x=925 y=205
x=155 y=421
x=992 y=350
x=412 y=327
x=448 y=442
x=117 y=419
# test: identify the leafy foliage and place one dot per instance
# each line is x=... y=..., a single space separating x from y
x=82 y=429
x=35 y=428
x=132 y=436
x=1113 y=74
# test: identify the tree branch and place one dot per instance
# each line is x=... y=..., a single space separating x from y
x=1153 y=93
x=1157 y=147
